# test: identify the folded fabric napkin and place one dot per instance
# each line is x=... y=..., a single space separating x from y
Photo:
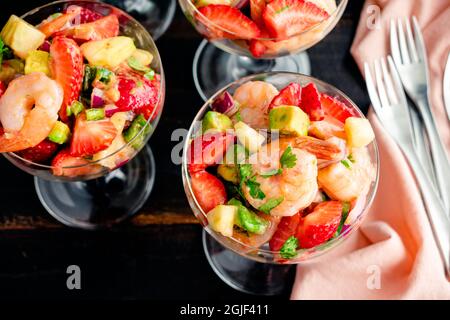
x=393 y=255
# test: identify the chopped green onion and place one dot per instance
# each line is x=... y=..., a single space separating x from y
x=289 y=248
x=136 y=65
x=346 y=163
x=95 y=114
x=104 y=75
x=60 y=133
x=76 y=108
x=135 y=128
x=150 y=75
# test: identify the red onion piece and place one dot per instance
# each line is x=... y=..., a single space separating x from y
x=110 y=109
x=45 y=46
x=225 y=104
x=97 y=98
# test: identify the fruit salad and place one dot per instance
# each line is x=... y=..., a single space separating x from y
x=282 y=169
x=76 y=94
x=265 y=28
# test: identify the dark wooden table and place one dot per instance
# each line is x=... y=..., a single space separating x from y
x=158 y=254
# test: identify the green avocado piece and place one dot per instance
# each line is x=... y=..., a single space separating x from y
x=235 y=155
x=289 y=120
x=217 y=121
x=247 y=219
x=228 y=173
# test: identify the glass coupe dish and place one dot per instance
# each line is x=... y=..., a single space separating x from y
x=113 y=184
x=243 y=41
x=251 y=265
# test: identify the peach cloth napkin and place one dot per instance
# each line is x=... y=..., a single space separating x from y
x=395 y=240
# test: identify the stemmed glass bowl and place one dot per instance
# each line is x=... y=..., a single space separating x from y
x=96 y=195
x=258 y=270
x=227 y=57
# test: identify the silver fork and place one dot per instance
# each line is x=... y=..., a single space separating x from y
x=409 y=54
x=389 y=102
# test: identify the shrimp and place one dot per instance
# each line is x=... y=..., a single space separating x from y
x=254 y=98
x=50 y=26
x=323 y=150
x=296 y=186
x=24 y=126
x=348 y=182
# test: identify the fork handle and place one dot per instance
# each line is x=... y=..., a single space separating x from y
x=436 y=212
x=440 y=160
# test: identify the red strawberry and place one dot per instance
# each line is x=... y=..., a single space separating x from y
x=257 y=48
x=290 y=95
x=137 y=93
x=208 y=190
x=63 y=159
x=86 y=15
x=311 y=102
x=336 y=109
x=320 y=225
x=2 y=88
x=100 y=29
x=40 y=153
x=256 y=10
x=227 y=22
x=286 y=18
x=67 y=69
x=90 y=137
x=207 y=150
x=286 y=228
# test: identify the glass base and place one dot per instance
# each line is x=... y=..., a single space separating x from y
x=214 y=68
x=104 y=201
x=244 y=274
x=154 y=15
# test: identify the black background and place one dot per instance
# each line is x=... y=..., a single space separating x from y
x=145 y=262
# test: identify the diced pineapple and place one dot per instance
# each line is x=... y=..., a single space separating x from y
x=21 y=36
x=221 y=219
x=248 y=136
x=228 y=173
x=108 y=52
x=359 y=132
x=143 y=57
x=37 y=61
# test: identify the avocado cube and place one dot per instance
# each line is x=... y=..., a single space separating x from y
x=289 y=120
x=37 y=61
x=228 y=173
x=216 y=121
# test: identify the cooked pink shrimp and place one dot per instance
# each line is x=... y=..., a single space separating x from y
x=254 y=98
x=348 y=182
x=28 y=111
x=323 y=150
x=296 y=186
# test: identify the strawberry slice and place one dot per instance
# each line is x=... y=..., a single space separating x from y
x=40 y=153
x=86 y=15
x=336 y=109
x=227 y=22
x=257 y=48
x=208 y=190
x=90 y=137
x=320 y=225
x=100 y=29
x=286 y=228
x=207 y=150
x=286 y=18
x=64 y=159
x=137 y=93
x=289 y=95
x=67 y=69
x=311 y=102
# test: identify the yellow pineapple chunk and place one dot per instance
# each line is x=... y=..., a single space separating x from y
x=359 y=132
x=221 y=219
x=108 y=52
x=37 y=61
x=21 y=36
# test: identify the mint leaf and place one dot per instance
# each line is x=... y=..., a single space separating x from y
x=254 y=189
x=270 y=204
x=273 y=172
x=346 y=163
x=288 y=159
x=289 y=248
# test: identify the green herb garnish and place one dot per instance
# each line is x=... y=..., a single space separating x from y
x=345 y=212
x=346 y=163
x=288 y=159
x=271 y=173
x=254 y=189
x=270 y=204
x=289 y=248
x=5 y=52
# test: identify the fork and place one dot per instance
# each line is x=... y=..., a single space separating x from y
x=389 y=102
x=409 y=54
